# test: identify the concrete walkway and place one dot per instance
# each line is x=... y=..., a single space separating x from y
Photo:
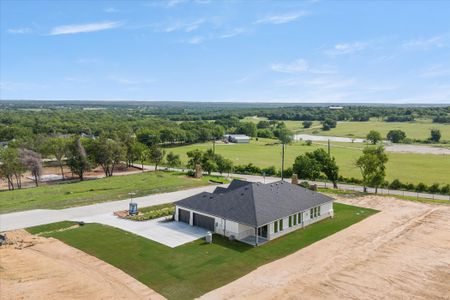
x=35 y=217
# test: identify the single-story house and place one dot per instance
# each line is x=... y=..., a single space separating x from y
x=254 y=212
x=237 y=138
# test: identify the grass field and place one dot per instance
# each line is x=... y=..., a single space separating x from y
x=190 y=270
x=419 y=129
x=93 y=191
x=407 y=167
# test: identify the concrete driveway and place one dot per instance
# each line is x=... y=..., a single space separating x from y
x=169 y=233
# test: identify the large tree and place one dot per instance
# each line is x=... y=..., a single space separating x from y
x=373 y=137
x=77 y=159
x=396 y=135
x=373 y=166
x=107 y=153
x=327 y=164
x=157 y=155
x=306 y=167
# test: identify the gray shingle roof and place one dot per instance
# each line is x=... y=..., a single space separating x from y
x=255 y=204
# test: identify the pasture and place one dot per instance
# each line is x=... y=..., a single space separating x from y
x=407 y=167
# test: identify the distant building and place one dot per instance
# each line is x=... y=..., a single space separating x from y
x=237 y=138
x=335 y=107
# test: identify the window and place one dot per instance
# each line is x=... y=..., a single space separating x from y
x=290 y=221
x=275 y=226
x=281 y=225
x=318 y=211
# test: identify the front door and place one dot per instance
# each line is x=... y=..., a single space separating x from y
x=262 y=231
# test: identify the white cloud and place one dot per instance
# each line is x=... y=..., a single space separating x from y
x=437 y=41
x=435 y=71
x=111 y=10
x=298 y=66
x=347 y=48
x=195 y=40
x=79 y=28
x=232 y=33
x=282 y=18
x=23 y=30
x=181 y=26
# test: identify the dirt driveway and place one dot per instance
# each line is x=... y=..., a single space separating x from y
x=39 y=268
x=403 y=252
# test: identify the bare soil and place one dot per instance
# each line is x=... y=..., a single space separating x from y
x=33 y=267
x=403 y=252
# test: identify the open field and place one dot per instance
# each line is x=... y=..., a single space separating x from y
x=403 y=252
x=407 y=167
x=419 y=129
x=94 y=191
x=39 y=268
x=193 y=269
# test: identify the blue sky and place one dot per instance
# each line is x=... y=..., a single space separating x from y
x=200 y=50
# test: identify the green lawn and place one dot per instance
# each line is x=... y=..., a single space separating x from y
x=93 y=191
x=407 y=167
x=194 y=269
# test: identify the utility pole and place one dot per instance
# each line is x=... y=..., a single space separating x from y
x=282 y=162
x=329 y=148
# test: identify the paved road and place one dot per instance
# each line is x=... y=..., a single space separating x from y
x=346 y=187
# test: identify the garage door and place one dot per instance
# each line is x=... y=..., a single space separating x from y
x=184 y=215
x=204 y=222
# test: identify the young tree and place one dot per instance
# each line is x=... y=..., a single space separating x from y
x=77 y=159
x=141 y=153
x=223 y=164
x=374 y=137
x=396 y=135
x=435 y=135
x=58 y=148
x=156 y=155
x=11 y=167
x=372 y=166
x=195 y=158
x=306 y=167
x=173 y=160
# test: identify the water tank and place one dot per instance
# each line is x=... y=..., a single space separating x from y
x=208 y=237
x=133 y=208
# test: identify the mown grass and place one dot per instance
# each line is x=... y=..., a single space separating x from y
x=191 y=270
x=407 y=167
x=94 y=191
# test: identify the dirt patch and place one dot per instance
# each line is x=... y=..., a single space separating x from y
x=403 y=252
x=418 y=149
x=33 y=267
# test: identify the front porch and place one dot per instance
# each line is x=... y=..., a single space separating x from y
x=251 y=240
